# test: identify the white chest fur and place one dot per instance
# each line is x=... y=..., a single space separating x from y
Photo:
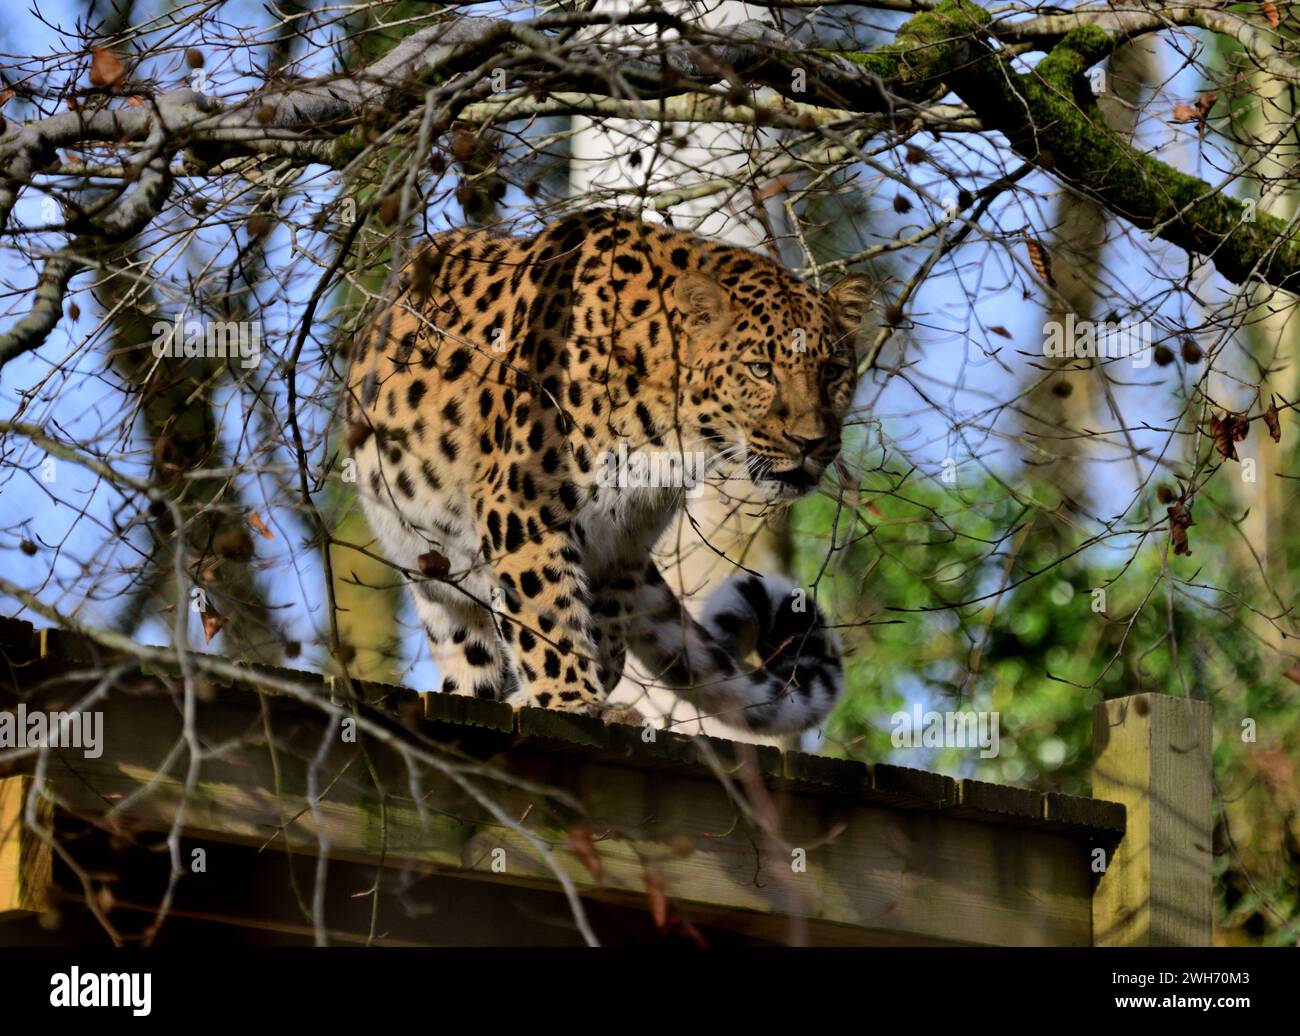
x=622 y=524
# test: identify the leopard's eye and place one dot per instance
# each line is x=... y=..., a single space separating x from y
x=762 y=371
x=834 y=371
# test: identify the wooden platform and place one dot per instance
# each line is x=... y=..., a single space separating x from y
x=663 y=838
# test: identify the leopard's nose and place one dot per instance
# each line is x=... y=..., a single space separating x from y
x=808 y=444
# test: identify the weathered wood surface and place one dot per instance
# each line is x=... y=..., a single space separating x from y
x=1153 y=753
x=25 y=859
x=866 y=854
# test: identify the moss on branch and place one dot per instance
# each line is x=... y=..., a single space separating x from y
x=927 y=47
x=1051 y=117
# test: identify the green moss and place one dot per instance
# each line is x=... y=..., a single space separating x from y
x=1064 y=121
x=952 y=17
x=1051 y=117
x=883 y=63
x=1086 y=44
x=347 y=147
x=927 y=47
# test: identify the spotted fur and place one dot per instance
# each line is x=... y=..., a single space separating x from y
x=487 y=398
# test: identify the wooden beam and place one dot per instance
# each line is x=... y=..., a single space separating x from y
x=864 y=874
x=864 y=854
x=1152 y=753
x=25 y=860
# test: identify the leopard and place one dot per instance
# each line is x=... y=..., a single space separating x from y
x=485 y=400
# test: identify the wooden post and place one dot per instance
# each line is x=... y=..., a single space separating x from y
x=1152 y=753
x=25 y=861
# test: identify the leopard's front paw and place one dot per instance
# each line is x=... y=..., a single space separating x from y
x=627 y=714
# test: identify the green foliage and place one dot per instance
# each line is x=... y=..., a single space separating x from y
x=973 y=596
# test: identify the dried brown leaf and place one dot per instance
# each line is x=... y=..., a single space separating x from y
x=1180 y=519
x=659 y=912
x=434 y=565
x=1227 y=430
x=106 y=68
x=234 y=544
x=390 y=208
x=213 y=620
x=1272 y=423
x=583 y=846
x=1203 y=105
x=691 y=932
x=357 y=434
x=772 y=188
x=259 y=526
x=1039 y=259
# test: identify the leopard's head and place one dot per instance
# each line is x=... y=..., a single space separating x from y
x=773 y=365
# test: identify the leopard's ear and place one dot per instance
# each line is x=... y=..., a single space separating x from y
x=702 y=302
x=851 y=300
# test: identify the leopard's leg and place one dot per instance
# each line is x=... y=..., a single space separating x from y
x=609 y=629
x=611 y=601
x=468 y=646
x=544 y=596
